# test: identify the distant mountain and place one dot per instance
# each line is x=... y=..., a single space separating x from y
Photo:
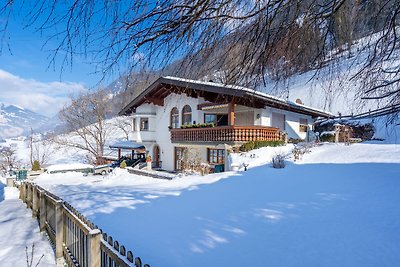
x=16 y=121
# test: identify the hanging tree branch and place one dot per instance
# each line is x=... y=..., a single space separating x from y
x=246 y=42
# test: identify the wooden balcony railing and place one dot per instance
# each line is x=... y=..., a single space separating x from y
x=226 y=134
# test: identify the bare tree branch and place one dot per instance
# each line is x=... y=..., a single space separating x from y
x=244 y=42
x=85 y=122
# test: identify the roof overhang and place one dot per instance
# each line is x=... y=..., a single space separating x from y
x=215 y=93
x=126 y=144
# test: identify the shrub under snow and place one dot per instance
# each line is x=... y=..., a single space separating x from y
x=278 y=161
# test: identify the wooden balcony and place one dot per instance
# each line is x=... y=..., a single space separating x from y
x=228 y=134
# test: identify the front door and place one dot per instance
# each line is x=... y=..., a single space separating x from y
x=156 y=155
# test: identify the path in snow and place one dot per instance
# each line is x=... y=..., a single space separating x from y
x=17 y=230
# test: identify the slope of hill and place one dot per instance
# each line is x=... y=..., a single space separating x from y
x=16 y=121
x=332 y=85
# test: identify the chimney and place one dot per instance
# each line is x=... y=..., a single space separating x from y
x=298 y=101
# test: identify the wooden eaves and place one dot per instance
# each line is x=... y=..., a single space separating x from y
x=215 y=93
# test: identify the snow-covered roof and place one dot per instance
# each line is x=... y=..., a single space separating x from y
x=219 y=88
x=68 y=167
x=127 y=144
x=236 y=87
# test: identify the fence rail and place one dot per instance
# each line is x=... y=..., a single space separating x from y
x=77 y=240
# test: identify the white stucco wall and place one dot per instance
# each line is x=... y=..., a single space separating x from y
x=265 y=117
x=292 y=122
x=159 y=122
x=163 y=137
x=144 y=111
x=244 y=118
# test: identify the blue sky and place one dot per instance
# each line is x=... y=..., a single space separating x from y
x=27 y=80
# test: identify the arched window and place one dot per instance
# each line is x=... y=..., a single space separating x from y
x=186 y=115
x=174 y=118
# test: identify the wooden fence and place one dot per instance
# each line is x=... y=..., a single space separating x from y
x=76 y=240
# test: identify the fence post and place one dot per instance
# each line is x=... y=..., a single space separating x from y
x=59 y=233
x=35 y=201
x=29 y=203
x=94 y=246
x=42 y=209
x=25 y=200
x=22 y=192
x=27 y=194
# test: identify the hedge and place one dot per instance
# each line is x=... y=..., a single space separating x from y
x=257 y=144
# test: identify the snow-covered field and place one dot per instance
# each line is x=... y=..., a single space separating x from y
x=338 y=206
x=18 y=231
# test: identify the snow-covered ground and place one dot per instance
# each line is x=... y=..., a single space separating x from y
x=18 y=231
x=335 y=207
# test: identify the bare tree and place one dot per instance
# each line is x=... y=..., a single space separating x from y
x=85 y=121
x=248 y=41
x=40 y=149
x=8 y=159
x=124 y=123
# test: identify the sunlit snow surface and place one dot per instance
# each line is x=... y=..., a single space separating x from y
x=19 y=230
x=338 y=206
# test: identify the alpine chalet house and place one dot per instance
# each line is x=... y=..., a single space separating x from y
x=175 y=117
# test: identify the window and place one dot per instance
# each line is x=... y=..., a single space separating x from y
x=134 y=125
x=186 y=115
x=180 y=157
x=216 y=156
x=217 y=119
x=303 y=125
x=174 y=121
x=144 y=124
x=210 y=118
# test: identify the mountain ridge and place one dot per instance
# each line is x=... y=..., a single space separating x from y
x=16 y=121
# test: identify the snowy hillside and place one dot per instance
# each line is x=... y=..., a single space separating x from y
x=334 y=87
x=16 y=121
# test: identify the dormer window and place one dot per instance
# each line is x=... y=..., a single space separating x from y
x=186 y=115
x=174 y=118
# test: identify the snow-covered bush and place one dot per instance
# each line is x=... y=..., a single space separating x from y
x=301 y=149
x=192 y=163
x=296 y=153
x=278 y=161
x=204 y=168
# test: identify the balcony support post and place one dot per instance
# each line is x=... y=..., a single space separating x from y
x=231 y=113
